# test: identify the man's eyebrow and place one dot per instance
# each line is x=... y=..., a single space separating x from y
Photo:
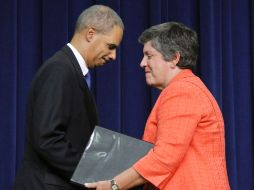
x=112 y=46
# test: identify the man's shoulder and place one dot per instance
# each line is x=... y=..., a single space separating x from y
x=60 y=59
x=61 y=55
x=56 y=66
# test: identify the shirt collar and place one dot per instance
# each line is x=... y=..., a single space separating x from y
x=80 y=59
x=182 y=74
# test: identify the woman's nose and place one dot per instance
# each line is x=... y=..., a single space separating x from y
x=143 y=63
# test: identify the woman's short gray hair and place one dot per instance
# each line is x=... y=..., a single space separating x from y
x=101 y=17
x=171 y=37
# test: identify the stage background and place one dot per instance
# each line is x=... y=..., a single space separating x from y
x=32 y=30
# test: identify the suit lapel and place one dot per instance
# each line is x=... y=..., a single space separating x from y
x=89 y=99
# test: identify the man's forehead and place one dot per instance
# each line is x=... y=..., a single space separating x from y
x=115 y=36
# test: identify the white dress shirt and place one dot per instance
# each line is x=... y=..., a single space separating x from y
x=80 y=59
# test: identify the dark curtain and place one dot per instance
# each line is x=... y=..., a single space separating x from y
x=32 y=30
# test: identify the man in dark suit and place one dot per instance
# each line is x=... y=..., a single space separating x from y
x=61 y=112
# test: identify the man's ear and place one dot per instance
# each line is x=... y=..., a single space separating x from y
x=89 y=33
x=175 y=59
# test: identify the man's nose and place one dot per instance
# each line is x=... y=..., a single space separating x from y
x=112 y=55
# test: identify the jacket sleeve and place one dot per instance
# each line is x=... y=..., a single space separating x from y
x=51 y=110
x=177 y=115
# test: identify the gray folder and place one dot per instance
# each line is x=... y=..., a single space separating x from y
x=107 y=154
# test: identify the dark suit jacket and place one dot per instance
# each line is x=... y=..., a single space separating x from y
x=60 y=118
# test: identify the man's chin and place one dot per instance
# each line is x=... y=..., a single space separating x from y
x=101 y=64
x=104 y=62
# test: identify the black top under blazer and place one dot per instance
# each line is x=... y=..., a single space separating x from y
x=61 y=115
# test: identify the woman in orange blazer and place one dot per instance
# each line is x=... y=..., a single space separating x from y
x=186 y=124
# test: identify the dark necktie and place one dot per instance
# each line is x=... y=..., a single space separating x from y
x=88 y=79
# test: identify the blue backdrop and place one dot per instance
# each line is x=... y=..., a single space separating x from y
x=32 y=30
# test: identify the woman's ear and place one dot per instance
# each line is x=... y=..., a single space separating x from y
x=175 y=59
